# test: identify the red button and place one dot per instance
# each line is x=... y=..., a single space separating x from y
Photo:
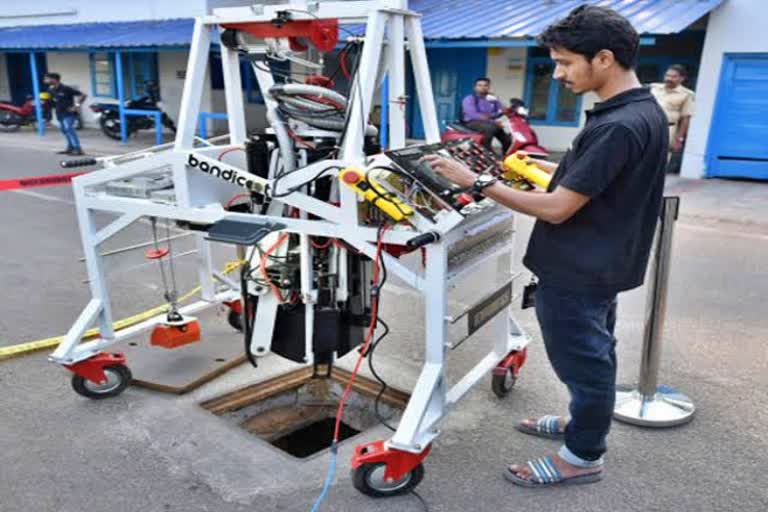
x=464 y=199
x=352 y=178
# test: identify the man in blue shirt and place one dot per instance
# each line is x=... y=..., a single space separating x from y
x=593 y=235
x=66 y=100
x=482 y=111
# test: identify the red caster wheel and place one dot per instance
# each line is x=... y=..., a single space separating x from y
x=118 y=377
x=369 y=479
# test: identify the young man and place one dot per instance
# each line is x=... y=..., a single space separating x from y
x=66 y=101
x=677 y=102
x=593 y=234
x=481 y=112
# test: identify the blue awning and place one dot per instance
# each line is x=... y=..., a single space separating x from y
x=443 y=19
x=124 y=34
x=491 y=19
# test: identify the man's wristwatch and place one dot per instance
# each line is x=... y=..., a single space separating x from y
x=483 y=181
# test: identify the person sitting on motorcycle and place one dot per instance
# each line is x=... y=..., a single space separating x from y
x=66 y=101
x=482 y=112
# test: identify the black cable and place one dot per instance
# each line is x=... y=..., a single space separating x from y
x=386 y=197
x=363 y=120
x=246 y=316
x=290 y=191
x=372 y=349
x=421 y=500
x=339 y=57
x=384 y=385
x=350 y=100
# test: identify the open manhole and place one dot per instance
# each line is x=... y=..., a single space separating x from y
x=296 y=412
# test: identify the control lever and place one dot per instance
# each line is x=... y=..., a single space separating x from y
x=80 y=162
x=422 y=240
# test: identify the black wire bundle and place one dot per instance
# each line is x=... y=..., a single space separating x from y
x=276 y=195
x=377 y=296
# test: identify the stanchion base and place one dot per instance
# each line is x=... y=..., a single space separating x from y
x=666 y=408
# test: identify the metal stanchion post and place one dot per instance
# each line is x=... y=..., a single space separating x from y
x=649 y=404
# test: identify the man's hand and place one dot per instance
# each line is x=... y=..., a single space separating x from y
x=452 y=170
x=676 y=146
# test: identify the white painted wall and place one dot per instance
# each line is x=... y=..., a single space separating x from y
x=75 y=71
x=506 y=69
x=255 y=114
x=559 y=138
x=41 y=12
x=172 y=68
x=5 y=85
x=735 y=26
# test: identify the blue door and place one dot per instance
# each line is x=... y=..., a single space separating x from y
x=737 y=143
x=20 y=75
x=453 y=72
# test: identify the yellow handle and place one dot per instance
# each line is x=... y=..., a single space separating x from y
x=373 y=192
x=517 y=166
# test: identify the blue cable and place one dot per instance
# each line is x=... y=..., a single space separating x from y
x=328 y=479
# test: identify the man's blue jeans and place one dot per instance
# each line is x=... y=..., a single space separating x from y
x=67 y=124
x=578 y=334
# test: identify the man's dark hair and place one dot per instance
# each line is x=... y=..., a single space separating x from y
x=588 y=29
x=681 y=70
x=482 y=79
x=55 y=76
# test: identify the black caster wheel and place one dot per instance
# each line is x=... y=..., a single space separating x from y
x=369 y=479
x=118 y=378
x=235 y=320
x=503 y=384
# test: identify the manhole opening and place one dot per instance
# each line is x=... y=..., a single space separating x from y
x=313 y=438
x=296 y=412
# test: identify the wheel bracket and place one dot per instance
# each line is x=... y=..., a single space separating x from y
x=398 y=463
x=514 y=361
x=92 y=368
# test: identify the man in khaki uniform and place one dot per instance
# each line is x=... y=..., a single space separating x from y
x=677 y=102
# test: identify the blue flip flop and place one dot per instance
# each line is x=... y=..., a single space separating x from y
x=546 y=426
x=545 y=474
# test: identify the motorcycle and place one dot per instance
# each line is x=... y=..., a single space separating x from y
x=13 y=117
x=108 y=115
x=520 y=130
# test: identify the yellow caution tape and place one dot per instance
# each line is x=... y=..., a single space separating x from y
x=32 y=346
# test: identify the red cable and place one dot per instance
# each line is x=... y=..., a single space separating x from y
x=368 y=338
x=228 y=151
x=321 y=246
x=263 y=268
x=301 y=141
x=343 y=62
x=233 y=199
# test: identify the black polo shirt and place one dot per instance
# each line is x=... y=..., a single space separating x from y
x=617 y=160
x=63 y=97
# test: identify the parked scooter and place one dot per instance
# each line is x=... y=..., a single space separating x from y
x=13 y=117
x=108 y=115
x=523 y=136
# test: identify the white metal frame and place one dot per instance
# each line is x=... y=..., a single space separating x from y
x=199 y=198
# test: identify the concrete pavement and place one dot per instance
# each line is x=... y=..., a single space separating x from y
x=152 y=452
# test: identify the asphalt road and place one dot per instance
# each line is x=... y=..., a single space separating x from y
x=145 y=451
